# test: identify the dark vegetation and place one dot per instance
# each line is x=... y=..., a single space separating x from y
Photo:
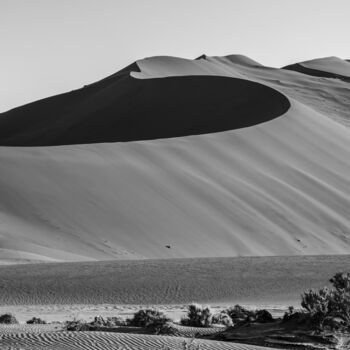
x=8 y=319
x=325 y=309
x=197 y=316
x=36 y=320
x=149 y=318
x=323 y=321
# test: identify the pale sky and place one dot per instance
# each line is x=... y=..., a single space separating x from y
x=53 y=46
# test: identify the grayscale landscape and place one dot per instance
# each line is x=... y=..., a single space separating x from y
x=175 y=203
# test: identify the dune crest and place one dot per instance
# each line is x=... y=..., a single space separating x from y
x=328 y=67
x=278 y=187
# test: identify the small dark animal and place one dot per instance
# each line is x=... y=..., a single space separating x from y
x=168 y=246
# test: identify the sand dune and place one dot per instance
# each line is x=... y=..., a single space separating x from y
x=278 y=187
x=328 y=67
x=123 y=108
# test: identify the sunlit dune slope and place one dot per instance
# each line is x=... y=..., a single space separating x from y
x=278 y=186
x=328 y=67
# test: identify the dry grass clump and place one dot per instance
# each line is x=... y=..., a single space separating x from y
x=8 y=319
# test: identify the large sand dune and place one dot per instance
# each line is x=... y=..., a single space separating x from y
x=278 y=187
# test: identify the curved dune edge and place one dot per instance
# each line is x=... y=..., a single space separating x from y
x=123 y=109
x=278 y=188
x=107 y=340
x=329 y=67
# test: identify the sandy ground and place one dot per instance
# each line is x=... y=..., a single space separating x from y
x=101 y=340
x=276 y=188
x=253 y=280
x=62 y=313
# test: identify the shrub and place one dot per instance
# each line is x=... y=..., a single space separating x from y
x=239 y=313
x=149 y=318
x=78 y=326
x=263 y=316
x=8 y=319
x=197 y=316
x=329 y=308
x=222 y=318
x=115 y=321
x=36 y=320
x=340 y=298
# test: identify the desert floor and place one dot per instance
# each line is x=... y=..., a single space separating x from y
x=273 y=281
x=30 y=338
x=60 y=292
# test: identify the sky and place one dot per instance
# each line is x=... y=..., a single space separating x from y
x=53 y=46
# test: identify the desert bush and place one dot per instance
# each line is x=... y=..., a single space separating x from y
x=115 y=321
x=8 y=319
x=149 y=318
x=36 y=320
x=340 y=298
x=263 y=316
x=78 y=325
x=197 y=316
x=329 y=307
x=98 y=323
x=222 y=318
x=317 y=305
x=238 y=314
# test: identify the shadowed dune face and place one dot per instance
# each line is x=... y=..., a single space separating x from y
x=123 y=108
x=278 y=187
x=329 y=67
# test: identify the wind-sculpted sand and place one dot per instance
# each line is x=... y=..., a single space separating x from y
x=252 y=280
x=273 y=181
x=106 y=341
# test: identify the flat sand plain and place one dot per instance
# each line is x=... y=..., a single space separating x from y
x=248 y=280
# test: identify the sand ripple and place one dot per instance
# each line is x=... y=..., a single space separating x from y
x=106 y=341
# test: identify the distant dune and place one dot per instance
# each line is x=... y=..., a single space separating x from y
x=218 y=156
x=328 y=67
